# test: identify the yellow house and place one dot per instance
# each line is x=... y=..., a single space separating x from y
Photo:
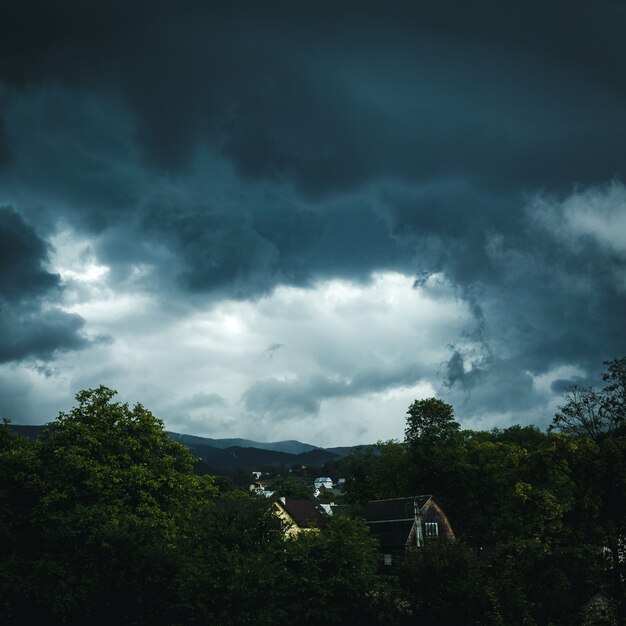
x=298 y=516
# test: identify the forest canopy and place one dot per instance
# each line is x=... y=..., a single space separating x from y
x=103 y=520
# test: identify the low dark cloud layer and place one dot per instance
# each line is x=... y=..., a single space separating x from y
x=28 y=326
x=22 y=254
x=286 y=399
x=334 y=97
x=207 y=152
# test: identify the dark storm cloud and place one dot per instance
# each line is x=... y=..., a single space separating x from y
x=298 y=398
x=456 y=373
x=333 y=97
x=505 y=390
x=289 y=399
x=547 y=300
x=34 y=333
x=27 y=326
x=231 y=149
x=5 y=152
x=562 y=385
x=22 y=254
x=243 y=249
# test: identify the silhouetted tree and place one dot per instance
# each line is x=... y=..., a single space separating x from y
x=595 y=413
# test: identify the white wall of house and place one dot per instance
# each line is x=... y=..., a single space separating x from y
x=323 y=481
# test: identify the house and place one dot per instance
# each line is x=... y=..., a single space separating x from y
x=399 y=523
x=328 y=494
x=340 y=510
x=323 y=481
x=331 y=509
x=298 y=515
x=259 y=488
x=321 y=492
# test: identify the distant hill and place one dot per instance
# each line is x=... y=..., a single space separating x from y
x=290 y=446
x=341 y=450
x=234 y=458
x=30 y=432
x=230 y=455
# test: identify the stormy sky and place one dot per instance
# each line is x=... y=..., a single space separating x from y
x=289 y=220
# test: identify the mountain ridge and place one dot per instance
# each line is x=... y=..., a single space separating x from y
x=291 y=446
x=232 y=454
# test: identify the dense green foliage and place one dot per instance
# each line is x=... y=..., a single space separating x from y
x=94 y=512
x=293 y=487
x=103 y=520
x=553 y=506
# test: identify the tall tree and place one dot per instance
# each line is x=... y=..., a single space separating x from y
x=20 y=493
x=377 y=472
x=595 y=413
x=332 y=573
x=430 y=420
x=436 y=449
x=614 y=393
x=601 y=417
x=115 y=497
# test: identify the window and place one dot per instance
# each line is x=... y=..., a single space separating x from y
x=387 y=559
x=431 y=529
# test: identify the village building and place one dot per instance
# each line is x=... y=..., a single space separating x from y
x=259 y=488
x=298 y=515
x=399 y=523
x=323 y=481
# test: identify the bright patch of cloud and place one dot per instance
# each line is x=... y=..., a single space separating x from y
x=597 y=213
x=352 y=357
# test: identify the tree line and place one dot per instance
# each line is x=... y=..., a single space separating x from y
x=550 y=507
x=103 y=520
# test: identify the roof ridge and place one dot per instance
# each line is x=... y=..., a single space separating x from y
x=425 y=495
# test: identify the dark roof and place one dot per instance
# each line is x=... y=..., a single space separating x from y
x=391 y=535
x=393 y=509
x=391 y=521
x=341 y=509
x=303 y=512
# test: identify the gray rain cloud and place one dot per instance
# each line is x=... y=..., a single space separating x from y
x=158 y=161
x=30 y=324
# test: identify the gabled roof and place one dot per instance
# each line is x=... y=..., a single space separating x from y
x=393 y=509
x=323 y=479
x=341 y=510
x=392 y=535
x=303 y=512
x=393 y=521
